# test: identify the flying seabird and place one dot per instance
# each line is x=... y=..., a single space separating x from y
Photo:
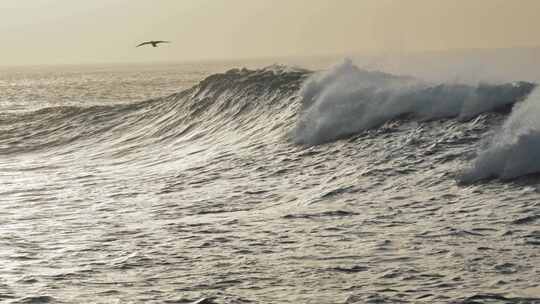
x=153 y=43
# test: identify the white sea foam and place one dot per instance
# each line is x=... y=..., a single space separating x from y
x=345 y=100
x=514 y=150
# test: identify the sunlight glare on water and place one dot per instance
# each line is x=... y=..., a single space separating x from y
x=145 y=185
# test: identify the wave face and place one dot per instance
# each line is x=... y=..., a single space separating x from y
x=234 y=101
x=323 y=107
x=276 y=185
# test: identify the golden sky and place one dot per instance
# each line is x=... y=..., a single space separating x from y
x=93 y=31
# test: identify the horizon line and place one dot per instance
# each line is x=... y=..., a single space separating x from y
x=367 y=53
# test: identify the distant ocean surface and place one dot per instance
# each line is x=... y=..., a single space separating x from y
x=254 y=182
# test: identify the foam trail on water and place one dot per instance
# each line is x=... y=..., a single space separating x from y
x=514 y=150
x=345 y=100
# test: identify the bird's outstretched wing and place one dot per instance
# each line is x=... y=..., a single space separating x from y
x=144 y=43
x=162 y=41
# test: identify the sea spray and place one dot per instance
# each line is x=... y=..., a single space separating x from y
x=346 y=100
x=513 y=151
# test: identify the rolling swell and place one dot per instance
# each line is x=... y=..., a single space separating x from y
x=310 y=108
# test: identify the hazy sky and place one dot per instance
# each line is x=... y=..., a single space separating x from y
x=86 y=31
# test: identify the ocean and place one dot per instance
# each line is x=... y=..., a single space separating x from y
x=252 y=182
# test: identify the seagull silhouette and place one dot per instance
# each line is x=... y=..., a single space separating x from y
x=153 y=43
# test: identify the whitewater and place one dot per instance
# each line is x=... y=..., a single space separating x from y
x=268 y=184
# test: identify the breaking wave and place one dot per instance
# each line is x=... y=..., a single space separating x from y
x=346 y=100
x=513 y=151
x=281 y=102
